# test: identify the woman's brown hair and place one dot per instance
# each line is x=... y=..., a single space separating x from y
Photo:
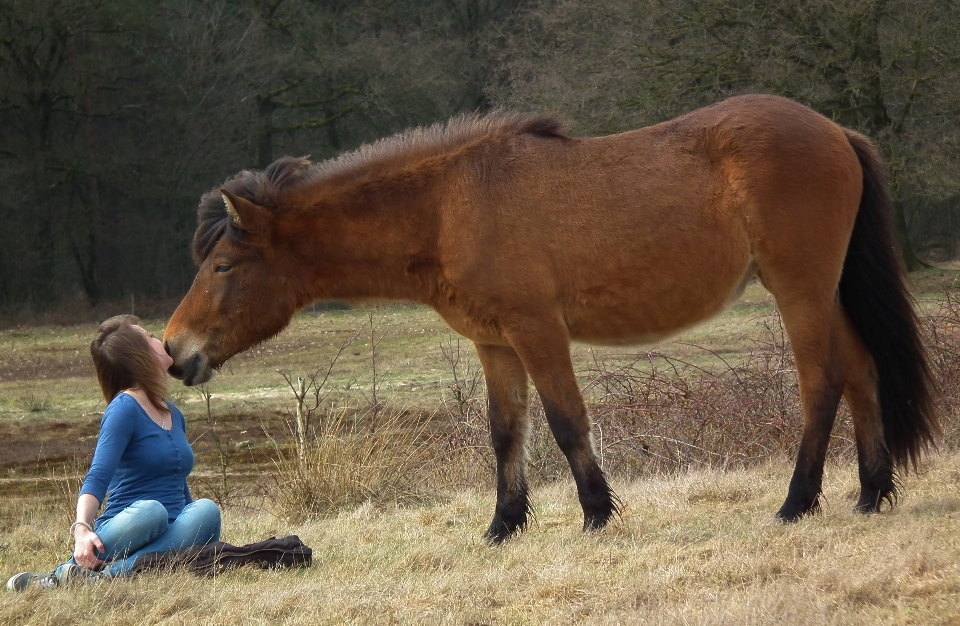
x=123 y=360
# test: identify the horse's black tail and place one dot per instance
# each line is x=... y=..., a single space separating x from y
x=873 y=292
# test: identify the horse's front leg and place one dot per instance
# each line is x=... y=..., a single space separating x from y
x=509 y=426
x=545 y=352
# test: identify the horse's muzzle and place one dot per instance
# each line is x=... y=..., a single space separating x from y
x=195 y=371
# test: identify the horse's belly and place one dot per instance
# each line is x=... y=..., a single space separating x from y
x=611 y=329
x=639 y=316
x=643 y=339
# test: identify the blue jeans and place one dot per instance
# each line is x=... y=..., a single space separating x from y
x=142 y=528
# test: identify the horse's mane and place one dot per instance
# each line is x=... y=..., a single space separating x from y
x=288 y=173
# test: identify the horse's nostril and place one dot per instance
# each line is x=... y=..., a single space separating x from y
x=166 y=346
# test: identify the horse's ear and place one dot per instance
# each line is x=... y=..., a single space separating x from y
x=246 y=215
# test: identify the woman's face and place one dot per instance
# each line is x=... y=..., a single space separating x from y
x=163 y=359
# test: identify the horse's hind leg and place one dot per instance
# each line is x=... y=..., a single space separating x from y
x=813 y=332
x=509 y=425
x=875 y=466
x=545 y=351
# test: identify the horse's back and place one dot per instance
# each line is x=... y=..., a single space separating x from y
x=634 y=236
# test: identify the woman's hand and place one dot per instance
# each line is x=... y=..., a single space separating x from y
x=86 y=546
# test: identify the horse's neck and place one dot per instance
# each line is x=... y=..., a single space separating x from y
x=381 y=243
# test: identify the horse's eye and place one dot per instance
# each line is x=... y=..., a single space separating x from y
x=223 y=268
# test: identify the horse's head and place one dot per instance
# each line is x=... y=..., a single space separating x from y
x=246 y=289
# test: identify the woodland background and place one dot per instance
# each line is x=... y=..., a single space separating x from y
x=115 y=116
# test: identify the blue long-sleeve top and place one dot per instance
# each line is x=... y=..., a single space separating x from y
x=136 y=459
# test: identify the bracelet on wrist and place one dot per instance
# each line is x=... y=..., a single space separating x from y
x=74 y=525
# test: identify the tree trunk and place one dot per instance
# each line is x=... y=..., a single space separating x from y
x=85 y=253
x=265 y=140
x=908 y=256
x=873 y=108
x=41 y=286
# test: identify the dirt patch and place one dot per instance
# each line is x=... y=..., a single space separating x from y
x=44 y=366
x=44 y=448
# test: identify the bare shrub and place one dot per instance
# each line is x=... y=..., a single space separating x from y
x=468 y=429
x=334 y=463
x=942 y=337
x=659 y=414
x=221 y=490
x=309 y=393
x=226 y=486
x=464 y=407
x=343 y=466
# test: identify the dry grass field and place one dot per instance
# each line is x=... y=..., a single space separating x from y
x=700 y=548
x=394 y=485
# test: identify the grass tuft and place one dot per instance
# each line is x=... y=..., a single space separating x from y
x=34 y=403
x=344 y=466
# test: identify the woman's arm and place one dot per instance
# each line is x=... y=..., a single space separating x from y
x=116 y=430
x=86 y=542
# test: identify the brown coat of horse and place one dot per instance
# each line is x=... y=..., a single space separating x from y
x=524 y=239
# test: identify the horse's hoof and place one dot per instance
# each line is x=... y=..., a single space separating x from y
x=871 y=498
x=869 y=503
x=788 y=518
x=791 y=512
x=597 y=517
x=591 y=524
x=498 y=533
x=500 y=529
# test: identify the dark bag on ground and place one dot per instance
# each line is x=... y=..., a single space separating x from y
x=218 y=557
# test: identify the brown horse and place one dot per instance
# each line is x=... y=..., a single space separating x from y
x=524 y=239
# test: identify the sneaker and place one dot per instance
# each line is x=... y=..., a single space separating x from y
x=71 y=574
x=25 y=580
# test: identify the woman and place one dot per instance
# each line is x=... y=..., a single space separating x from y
x=142 y=459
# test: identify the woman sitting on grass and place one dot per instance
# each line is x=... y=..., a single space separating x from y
x=142 y=459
